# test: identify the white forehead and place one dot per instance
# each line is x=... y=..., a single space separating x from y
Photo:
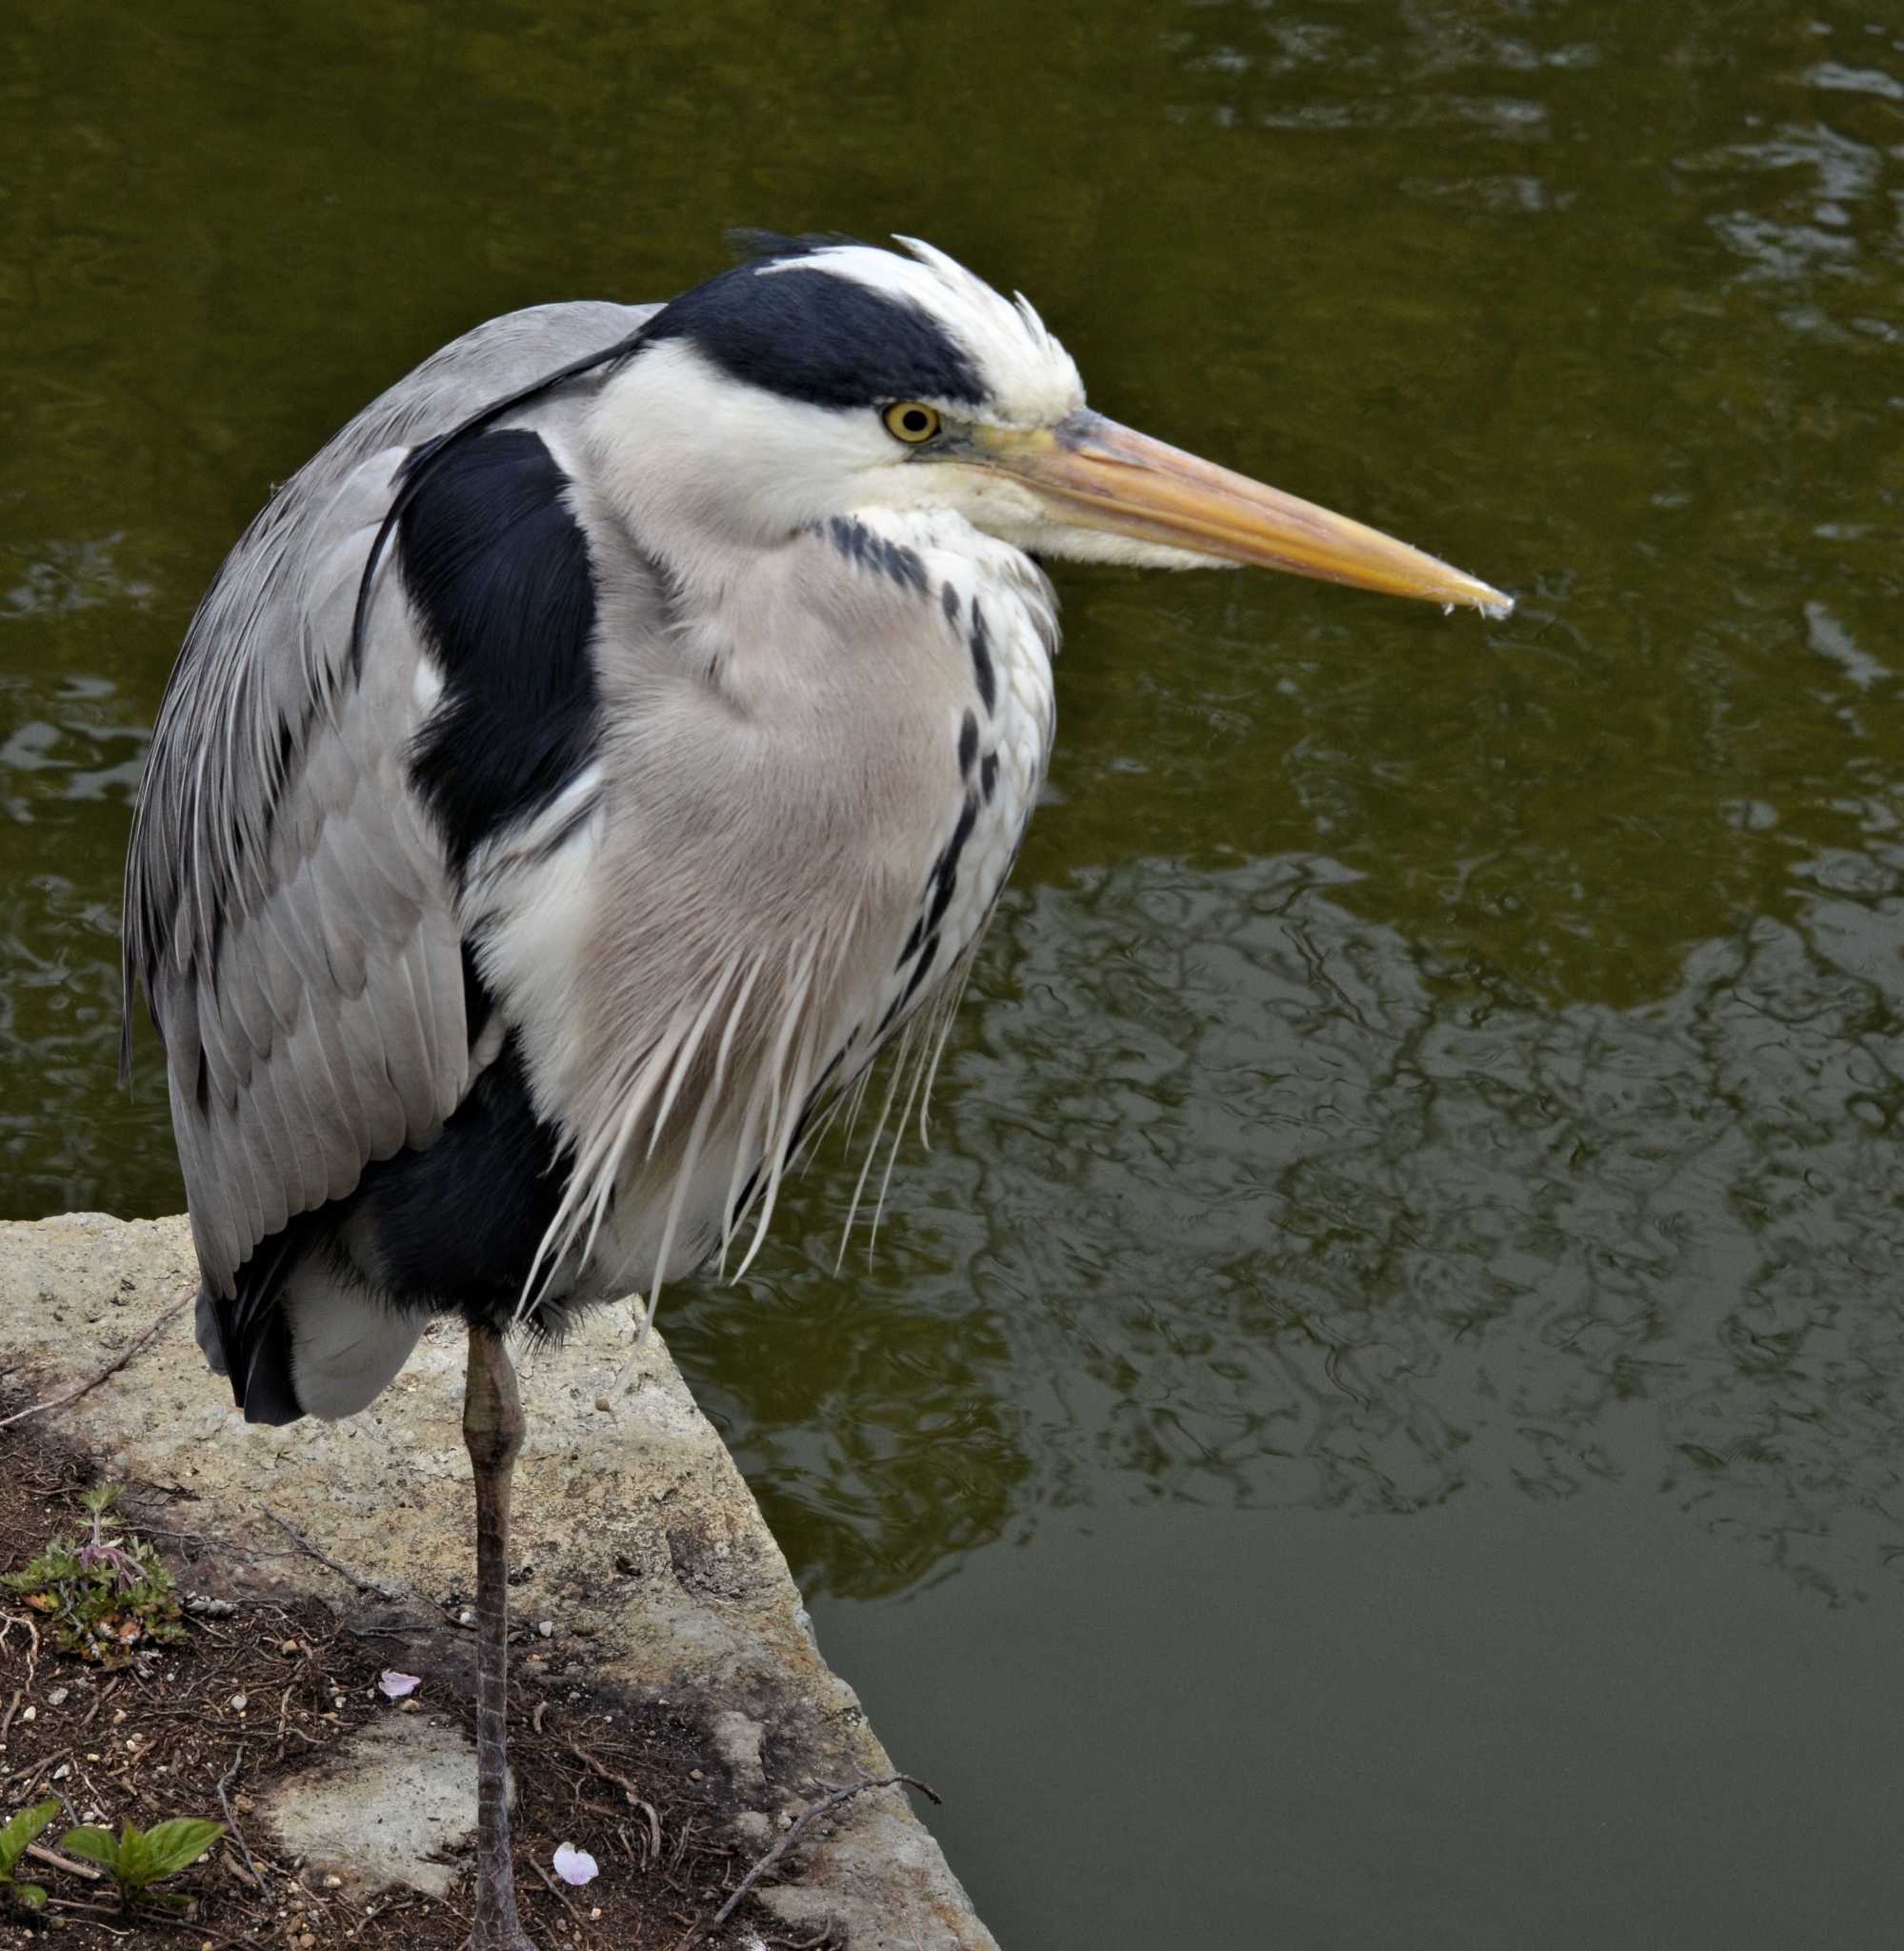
x=1028 y=377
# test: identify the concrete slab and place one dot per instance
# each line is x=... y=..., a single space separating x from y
x=396 y=1806
x=636 y=1529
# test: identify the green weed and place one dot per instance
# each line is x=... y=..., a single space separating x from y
x=106 y=1597
x=137 y=1858
x=14 y=1837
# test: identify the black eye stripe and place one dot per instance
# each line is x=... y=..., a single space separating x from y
x=818 y=335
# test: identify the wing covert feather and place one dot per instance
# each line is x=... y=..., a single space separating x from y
x=290 y=915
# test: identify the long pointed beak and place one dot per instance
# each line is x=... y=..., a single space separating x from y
x=1094 y=474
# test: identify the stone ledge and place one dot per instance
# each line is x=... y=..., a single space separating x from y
x=638 y=1532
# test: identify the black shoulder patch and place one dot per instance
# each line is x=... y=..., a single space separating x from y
x=812 y=334
x=498 y=569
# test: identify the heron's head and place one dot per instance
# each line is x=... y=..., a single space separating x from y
x=825 y=378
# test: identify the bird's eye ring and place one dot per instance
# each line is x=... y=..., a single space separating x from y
x=911 y=422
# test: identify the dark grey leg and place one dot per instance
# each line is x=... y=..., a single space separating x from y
x=492 y=1433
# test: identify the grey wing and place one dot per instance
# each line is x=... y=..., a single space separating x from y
x=289 y=913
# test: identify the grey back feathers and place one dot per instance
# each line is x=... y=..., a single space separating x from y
x=291 y=906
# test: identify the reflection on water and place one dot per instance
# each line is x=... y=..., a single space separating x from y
x=1341 y=1230
x=1420 y=1068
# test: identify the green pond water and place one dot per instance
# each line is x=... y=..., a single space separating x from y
x=1377 y=1423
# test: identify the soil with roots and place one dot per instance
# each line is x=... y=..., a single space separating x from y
x=260 y=1691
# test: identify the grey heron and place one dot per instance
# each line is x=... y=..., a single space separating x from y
x=576 y=774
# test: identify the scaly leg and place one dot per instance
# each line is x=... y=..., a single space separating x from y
x=492 y=1434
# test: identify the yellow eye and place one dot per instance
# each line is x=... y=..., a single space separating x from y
x=911 y=422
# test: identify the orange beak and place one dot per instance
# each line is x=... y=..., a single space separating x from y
x=1093 y=473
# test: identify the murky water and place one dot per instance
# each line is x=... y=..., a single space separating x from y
x=1379 y=1419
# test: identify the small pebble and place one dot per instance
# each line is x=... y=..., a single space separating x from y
x=333 y=1882
x=31 y=1714
x=61 y=1773
x=546 y=1627
x=289 y=1646
x=695 y=1775
x=601 y=1405
x=465 y=1618
x=239 y=1702
x=57 y=1698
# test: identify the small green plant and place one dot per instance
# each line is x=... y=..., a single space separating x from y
x=14 y=1837
x=105 y=1595
x=137 y=1858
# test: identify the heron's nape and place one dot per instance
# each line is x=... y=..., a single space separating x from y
x=588 y=763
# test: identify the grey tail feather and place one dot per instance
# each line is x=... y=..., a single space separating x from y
x=204 y=1328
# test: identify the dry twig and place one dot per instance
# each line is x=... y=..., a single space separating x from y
x=309 y=1550
x=111 y=1688
x=63 y=1862
x=112 y=1368
x=45 y=1763
x=621 y=1782
x=231 y=1821
x=13 y=1619
x=555 y=1890
x=826 y=1803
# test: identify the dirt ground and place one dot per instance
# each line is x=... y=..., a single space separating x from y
x=260 y=1692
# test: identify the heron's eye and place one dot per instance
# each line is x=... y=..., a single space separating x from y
x=911 y=422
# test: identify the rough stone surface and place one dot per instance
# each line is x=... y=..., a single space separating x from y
x=632 y=1524
x=394 y=1807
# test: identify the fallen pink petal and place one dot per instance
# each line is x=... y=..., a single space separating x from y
x=575 y=1865
x=393 y=1685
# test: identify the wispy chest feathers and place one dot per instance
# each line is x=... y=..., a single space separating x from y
x=796 y=854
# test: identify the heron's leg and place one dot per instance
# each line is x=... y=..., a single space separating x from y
x=492 y=1433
